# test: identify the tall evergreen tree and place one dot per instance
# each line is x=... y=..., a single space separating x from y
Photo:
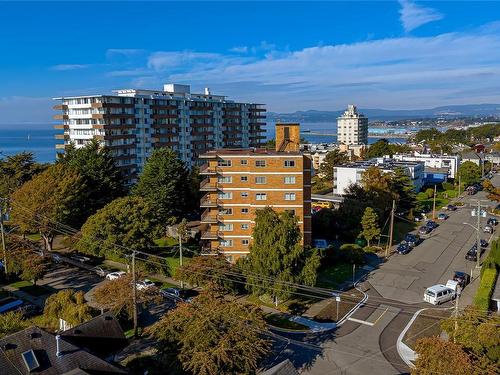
x=469 y=172
x=276 y=253
x=369 y=222
x=103 y=180
x=379 y=148
x=166 y=183
x=332 y=159
x=403 y=189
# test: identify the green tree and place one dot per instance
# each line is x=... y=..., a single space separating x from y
x=50 y=199
x=403 y=189
x=15 y=170
x=165 y=182
x=379 y=148
x=209 y=272
x=12 y=322
x=436 y=356
x=102 y=178
x=469 y=172
x=129 y=222
x=116 y=295
x=69 y=305
x=369 y=222
x=324 y=223
x=333 y=158
x=427 y=135
x=277 y=256
x=34 y=267
x=212 y=336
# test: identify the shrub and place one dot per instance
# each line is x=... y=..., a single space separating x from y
x=483 y=294
x=429 y=192
x=447 y=186
x=422 y=196
x=352 y=253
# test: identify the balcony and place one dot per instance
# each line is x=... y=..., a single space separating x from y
x=209 y=236
x=207 y=170
x=61 y=117
x=208 y=218
x=60 y=107
x=206 y=186
x=207 y=202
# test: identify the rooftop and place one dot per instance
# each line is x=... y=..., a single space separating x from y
x=383 y=163
x=245 y=152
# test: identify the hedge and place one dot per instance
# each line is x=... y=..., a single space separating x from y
x=493 y=258
x=483 y=294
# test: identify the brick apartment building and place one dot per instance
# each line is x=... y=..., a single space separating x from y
x=238 y=182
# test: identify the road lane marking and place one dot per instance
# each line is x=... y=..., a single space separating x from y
x=371 y=324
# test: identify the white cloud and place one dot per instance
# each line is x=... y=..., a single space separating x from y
x=239 y=49
x=64 y=67
x=413 y=16
x=160 y=61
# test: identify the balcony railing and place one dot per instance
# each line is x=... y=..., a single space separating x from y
x=209 y=236
x=205 y=185
x=208 y=217
x=207 y=202
x=207 y=170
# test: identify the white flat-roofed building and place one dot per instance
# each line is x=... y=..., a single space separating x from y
x=352 y=127
x=133 y=122
x=352 y=173
x=448 y=162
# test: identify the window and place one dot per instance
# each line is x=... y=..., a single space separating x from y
x=244 y=210
x=224 y=179
x=244 y=194
x=224 y=163
x=243 y=162
x=225 y=195
x=260 y=163
x=245 y=242
x=226 y=243
x=244 y=178
x=244 y=226
x=226 y=227
x=261 y=196
x=289 y=196
x=260 y=180
x=225 y=211
x=289 y=180
x=289 y=163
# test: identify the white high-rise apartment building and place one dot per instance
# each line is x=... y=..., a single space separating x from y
x=352 y=127
x=133 y=122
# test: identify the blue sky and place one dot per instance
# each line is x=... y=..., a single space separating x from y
x=289 y=55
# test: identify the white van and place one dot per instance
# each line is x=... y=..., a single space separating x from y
x=438 y=294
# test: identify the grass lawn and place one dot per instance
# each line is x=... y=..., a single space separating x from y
x=401 y=228
x=331 y=277
x=281 y=321
x=28 y=287
x=34 y=237
x=427 y=324
x=348 y=300
x=166 y=242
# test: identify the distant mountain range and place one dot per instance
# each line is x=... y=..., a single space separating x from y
x=451 y=111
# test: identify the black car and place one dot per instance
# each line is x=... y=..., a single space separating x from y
x=403 y=248
x=451 y=207
x=492 y=221
x=462 y=278
x=472 y=253
x=28 y=310
x=412 y=239
x=424 y=229
x=432 y=224
x=483 y=243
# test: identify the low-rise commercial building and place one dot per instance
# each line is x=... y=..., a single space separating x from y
x=239 y=182
x=352 y=173
x=450 y=163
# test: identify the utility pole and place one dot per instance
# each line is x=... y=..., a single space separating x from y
x=353 y=274
x=478 y=243
x=456 y=314
x=459 y=185
x=181 y=232
x=391 y=229
x=2 y=229
x=134 y=293
x=434 y=204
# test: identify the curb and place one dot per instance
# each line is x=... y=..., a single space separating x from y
x=357 y=306
x=402 y=347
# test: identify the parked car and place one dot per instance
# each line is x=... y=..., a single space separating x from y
x=432 y=224
x=451 y=207
x=442 y=216
x=172 y=293
x=29 y=310
x=483 y=243
x=412 y=239
x=403 y=248
x=472 y=253
x=145 y=284
x=492 y=221
x=56 y=258
x=100 y=271
x=115 y=275
x=81 y=258
x=178 y=295
x=424 y=229
x=488 y=229
x=462 y=278
x=438 y=294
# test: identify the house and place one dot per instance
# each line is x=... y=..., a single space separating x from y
x=79 y=350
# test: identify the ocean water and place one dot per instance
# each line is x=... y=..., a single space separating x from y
x=39 y=139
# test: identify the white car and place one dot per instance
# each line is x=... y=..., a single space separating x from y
x=145 y=284
x=438 y=294
x=115 y=275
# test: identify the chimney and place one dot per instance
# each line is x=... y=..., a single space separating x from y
x=58 y=346
x=287 y=137
x=207 y=91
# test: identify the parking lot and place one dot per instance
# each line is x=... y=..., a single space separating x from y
x=405 y=277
